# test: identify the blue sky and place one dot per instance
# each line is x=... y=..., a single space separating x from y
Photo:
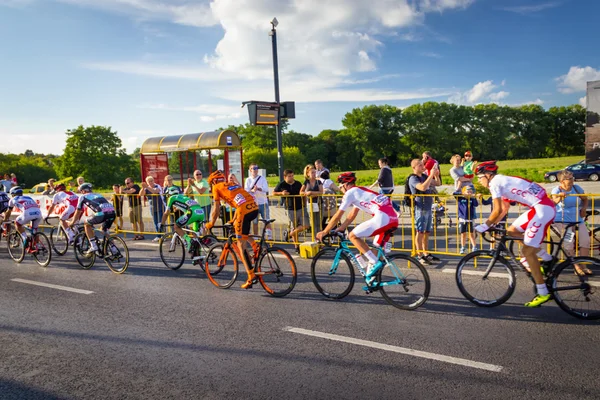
x=159 y=67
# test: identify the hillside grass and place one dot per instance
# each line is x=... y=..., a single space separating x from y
x=531 y=169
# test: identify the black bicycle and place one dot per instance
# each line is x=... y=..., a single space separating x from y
x=487 y=277
x=172 y=248
x=112 y=250
x=59 y=239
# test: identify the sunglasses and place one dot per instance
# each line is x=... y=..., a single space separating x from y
x=197 y=174
x=253 y=167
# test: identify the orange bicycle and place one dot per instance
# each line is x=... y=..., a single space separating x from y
x=274 y=267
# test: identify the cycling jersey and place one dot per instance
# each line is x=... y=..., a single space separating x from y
x=181 y=203
x=66 y=198
x=246 y=208
x=4 y=200
x=95 y=203
x=193 y=213
x=30 y=210
x=517 y=189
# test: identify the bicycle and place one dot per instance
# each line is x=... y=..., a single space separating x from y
x=487 y=277
x=274 y=267
x=172 y=248
x=333 y=276
x=36 y=244
x=112 y=250
x=59 y=239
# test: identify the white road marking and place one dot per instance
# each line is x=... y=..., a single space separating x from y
x=65 y=288
x=396 y=349
x=480 y=273
x=151 y=244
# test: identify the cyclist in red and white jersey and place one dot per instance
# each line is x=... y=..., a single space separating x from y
x=531 y=226
x=30 y=211
x=378 y=205
x=69 y=202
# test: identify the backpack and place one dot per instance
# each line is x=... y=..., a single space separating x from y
x=407 y=201
x=328 y=203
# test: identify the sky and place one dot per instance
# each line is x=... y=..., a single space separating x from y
x=164 y=67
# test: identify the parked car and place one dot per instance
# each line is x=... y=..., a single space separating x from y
x=590 y=172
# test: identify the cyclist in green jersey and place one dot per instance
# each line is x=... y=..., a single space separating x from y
x=192 y=214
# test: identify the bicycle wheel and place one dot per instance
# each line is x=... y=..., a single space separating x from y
x=206 y=242
x=221 y=265
x=16 y=250
x=276 y=271
x=491 y=291
x=43 y=252
x=172 y=250
x=404 y=282
x=578 y=295
x=59 y=240
x=595 y=242
x=81 y=244
x=116 y=254
x=332 y=273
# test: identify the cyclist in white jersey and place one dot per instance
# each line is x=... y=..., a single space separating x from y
x=67 y=202
x=378 y=205
x=531 y=226
x=30 y=211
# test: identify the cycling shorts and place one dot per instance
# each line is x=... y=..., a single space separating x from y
x=377 y=226
x=535 y=222
x=33 y=215
x=104 y=218
x=68 y=213
x=194 y=216
x=242 y=219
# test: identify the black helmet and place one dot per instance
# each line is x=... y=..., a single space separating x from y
x=85 y=187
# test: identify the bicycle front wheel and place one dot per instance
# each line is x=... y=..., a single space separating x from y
x=576 y=287
x=16 y=250
x=206 y=242
x=59 y=240
x=332 y=273
x=221 y=265
x=42 y=250
x=172 y=250
x=116 y=254
x=81 y=244
x=276 y=271
x=490 y=291
x=404 y=282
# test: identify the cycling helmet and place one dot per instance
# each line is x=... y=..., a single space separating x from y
x=16 y=191
x=172 y=191
x=486 y=167
x=85 y=187
x=346 y=177
x=60 y=187
x=216 y=177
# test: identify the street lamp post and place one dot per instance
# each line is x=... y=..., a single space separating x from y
x=273 y=35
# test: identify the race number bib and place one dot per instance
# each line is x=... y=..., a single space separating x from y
x=536 y=190
x=239 y=199
x=191 y=203
x=381 y=200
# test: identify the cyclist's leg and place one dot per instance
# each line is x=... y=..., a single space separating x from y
x=64 y=221
x=180 y=222
x=369 y=228
x=241 y=225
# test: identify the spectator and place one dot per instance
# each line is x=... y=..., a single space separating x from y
x=420 y=183
x=571 y=207
x=320 y=168
x=329 y=201
x=289 y=188
x=258 y=187
x=117 y=201
x=467 y=205
x=312 y=189
x=6 y=183
x=385 y=180
x=468 y=165
x=80 y=181
x=135 y=207
x=199 y=186
x=49 y=189
x=458 y=174
x=13 y=179
x=157 y=204
x=169 y=183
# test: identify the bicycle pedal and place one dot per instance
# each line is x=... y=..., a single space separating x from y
x=368 y=290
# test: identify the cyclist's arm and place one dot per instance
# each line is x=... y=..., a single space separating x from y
x=349 y=219
x=76 y=217
x=497 y=212
x=333 y=222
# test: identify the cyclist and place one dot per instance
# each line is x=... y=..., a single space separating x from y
x=4 y=200
x=103 y=213
x=384 y=218
x=30 y=212
x=191 y=213
x=69 y=200
x=246 y=210
x=531 y=226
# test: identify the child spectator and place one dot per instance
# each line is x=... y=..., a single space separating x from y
x=13 y=179
x=466 y=215
x=468 y=164
x=117 y=201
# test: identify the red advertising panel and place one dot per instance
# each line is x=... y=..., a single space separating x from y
x=155 y=165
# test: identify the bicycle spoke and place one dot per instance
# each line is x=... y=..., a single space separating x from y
x=576 y=288
x=332 y=274
x=403 y=282
x=276 y=272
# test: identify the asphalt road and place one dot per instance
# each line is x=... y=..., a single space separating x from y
x=154 y=333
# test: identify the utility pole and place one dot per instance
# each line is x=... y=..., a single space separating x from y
x=273 y=35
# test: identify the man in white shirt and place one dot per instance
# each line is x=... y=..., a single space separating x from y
x=258 y=187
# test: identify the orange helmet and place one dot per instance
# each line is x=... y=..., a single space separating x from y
x=216 y=177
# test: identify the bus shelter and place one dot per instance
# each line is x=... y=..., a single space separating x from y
x=223 y=146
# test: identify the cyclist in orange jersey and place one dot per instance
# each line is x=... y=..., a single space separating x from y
x=246 y=210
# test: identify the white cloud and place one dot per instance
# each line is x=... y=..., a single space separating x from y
x=496 y=97
x=583 y=101
x=478 y=92
x=537 y=102
x=530 y=9
x=576 y=79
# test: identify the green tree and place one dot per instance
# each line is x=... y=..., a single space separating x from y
x=95 y=153
x=566 y=131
